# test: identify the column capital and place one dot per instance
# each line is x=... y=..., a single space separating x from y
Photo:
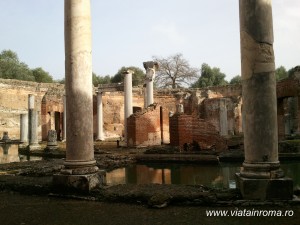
x=125 y=72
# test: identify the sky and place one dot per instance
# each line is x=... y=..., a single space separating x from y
x=129 y=32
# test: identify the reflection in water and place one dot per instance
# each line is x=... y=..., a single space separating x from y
x=213 y=176
x=117 y=176
x=221 y=176
x=10 y=153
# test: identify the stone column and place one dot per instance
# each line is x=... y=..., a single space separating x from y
x=261 y=176
x=51 y=140
x=223 y=118
x=150 y=68
x=145 y=94
x=24 y=128
x=180 y=108
x=32 y=124
x=64 y=119
x=100 y=134
x=80 y=170
x=127 y=98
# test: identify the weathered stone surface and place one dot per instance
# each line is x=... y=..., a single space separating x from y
x=84 y=183
x=260 y=177
x=265 y=189
x=79 y=98
x=52 y=140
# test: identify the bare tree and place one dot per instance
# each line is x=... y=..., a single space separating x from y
x=174 y=72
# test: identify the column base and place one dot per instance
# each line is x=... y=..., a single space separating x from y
x=33 y=147
x=263 y=170
x=51 y=148
x=100 y=139
x=23 y=145
x=79 y=182
x=265 y=189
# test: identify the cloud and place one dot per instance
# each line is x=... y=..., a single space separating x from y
x=168 y=32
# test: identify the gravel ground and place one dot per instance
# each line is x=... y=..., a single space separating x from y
x=19 y=209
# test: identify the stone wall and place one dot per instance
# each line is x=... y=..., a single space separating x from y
x=14 y=101
x=188 y=130
x=204 y=103
x=224 y=114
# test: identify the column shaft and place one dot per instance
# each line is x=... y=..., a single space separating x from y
x=32 y=124
x=150 y=67
x=149 y=89
x=80 y=171
x=24 y=128
x=261 y=176
x=78 y=66
x=259 y=85
x=65 y=119
x=127 y=98
x=223 y=118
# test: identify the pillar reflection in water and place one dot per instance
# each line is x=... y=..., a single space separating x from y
x=218 y=176
x=9 y=153
x=213 y=176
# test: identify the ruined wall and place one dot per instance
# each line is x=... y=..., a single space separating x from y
x=199 y=102
x=14 y=101
x=224 y=114
x=188 y=130
x=144 y=128
x=181 y=129
x=164 y=121
x=52 y=109
x=113 y=110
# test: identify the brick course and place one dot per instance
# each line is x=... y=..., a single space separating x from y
x=144 y=128
x=188 y=129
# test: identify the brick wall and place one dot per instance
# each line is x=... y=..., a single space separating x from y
x=181 y=129
x=51 y=117
x=287 y=88
x=188 y=129
x=207 y=136
x=164 y=120
x=144 y=128
x=14 y=98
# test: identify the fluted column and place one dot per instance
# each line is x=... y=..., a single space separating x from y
x=259 y=103
x=100 y=134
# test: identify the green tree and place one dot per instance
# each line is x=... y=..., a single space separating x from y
x=137 y=77
x=210 y=77
x=100 y=80
x=236 y=80
x=41 y=75
x=61 y=81
x=12 y=68
x=174 y=72
x=281 y=73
